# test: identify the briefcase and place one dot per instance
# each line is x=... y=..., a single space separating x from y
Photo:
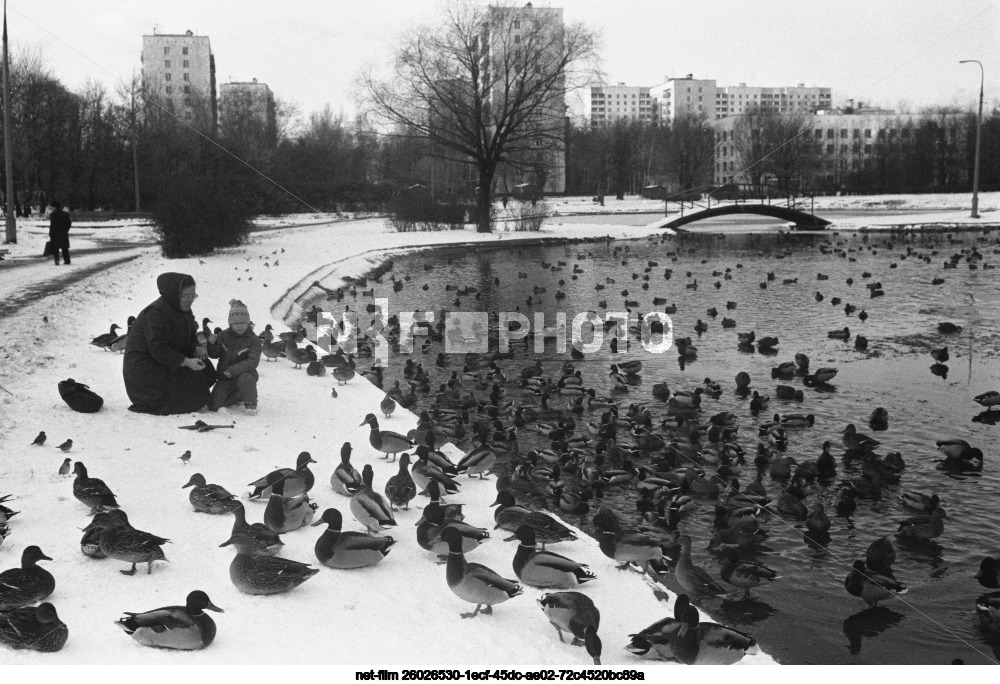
x=48 y=249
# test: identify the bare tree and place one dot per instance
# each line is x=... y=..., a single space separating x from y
x=772 y=143
x=691 y=150
x=486 y=85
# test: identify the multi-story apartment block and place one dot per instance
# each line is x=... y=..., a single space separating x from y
x=734 y=100
x=679 y=96
x=178 y=74
x=608 y=104
x=243 y=104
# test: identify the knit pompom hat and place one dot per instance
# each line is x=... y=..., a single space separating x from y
x=238 y=312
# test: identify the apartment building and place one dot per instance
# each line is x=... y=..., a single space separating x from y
x=248 y=105
x=679 y=96
x=734 y=100
x=608 y=104
x=178 y=75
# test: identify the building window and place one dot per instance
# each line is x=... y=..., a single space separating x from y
x=187 y=115
x=843 y=132
x=829 y=149
x=829 y=134
x=166 y=50
x=843 y=149
x=166 y=77
x=857 y=134
x=166 y=64
x=170 y=89
x=517 y=24
x=185 y=64
x=187 y=89
x=868 y=132
x=868 y=149
x=818 y=134
x=187 y=77
x=517 y=39
x=184 y=50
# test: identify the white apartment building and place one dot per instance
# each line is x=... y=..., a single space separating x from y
x=248 y=100
x=734 y=100
x=679 y=96
x=608 y=104
x=178 y=74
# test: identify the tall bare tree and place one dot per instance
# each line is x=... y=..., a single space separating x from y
x=486 y=85
x=691 y=150
x=778 y=144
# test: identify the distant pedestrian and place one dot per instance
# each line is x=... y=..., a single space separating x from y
x=59 y=223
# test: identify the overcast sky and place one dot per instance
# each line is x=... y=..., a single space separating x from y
x=309 y=51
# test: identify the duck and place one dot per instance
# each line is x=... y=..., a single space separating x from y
x=121 y=541
x=817 y=521
x=209 y=498
x=344 y=373
x=630 y=367
x=423 y=472
x=740 y=536
x=694 y=579
x=844 y=334
x=473 y=582
x=27 y=584
x=510 y=516
x=287 y=514
x=879 y=419
x=858 y=441
x=435 y=520
x=871 y=586
x=745 y=574
x=346 y=480
x=272 y=351
x=628 y=548
x=37 y=628
x=104 y=341
x=822 y=376
x=619 y=383
x=348 y=550
x=826 y=464
x=477 y=461
x=181 y=628
x=574 y=612
x=656 y=641
x=264 y=541
x=400 y=489
x=92 y=491
x=296 y=482
x=989 y=573
x=370 y=508
x=845 y=501
x=545 y=569
x=262 y=575
x=118 y=344
x=784 y=370
x=708 y=643
x=90 y=543
x=959 y=450
x=788 y=392
x=385 y=441
x=387 y=405
x=918 y=501
x=988 y=399
x=923 y=527
x=759 y=402
x=880 y=556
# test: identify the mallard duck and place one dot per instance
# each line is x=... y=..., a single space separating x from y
x=348 y=550
x=630 y=367
x=296 y=482
x=423 y=471
x=90 y=543
x=121 y=541
x=694 y=579
x=845 y=501
x=384 y=441
x=272 y=351
x=817 y=522
x=790 y=504
x=871 y=586
x=27 y=584
x=858 y=441
x=344 y=373
x=510 y=516
x=959 y=450
x=92 y=491
x=784 y=370
x=183 y=628
x=988 y=610
x=844 y=334
x=736 y=538
x=628 y=548
x=287 y=513
x=346 y=479
x=919 y=501
x=988 y=399
x=826 y=464
x=387 y=406
x=923 y=526
x=34 y=627
x=473 y=582
x=400 y=489
x=260 y=575
x=370 y=508
x=788 y=392
x=989 y=573
x=619 y=383
x=798 y=420
x=822 y=376
x=434 y=521
x=656 y=641
x=708 y=643
x=209 y=498
x=118 y=344
x=573 y=612
x=479 y=460
x=746 y=574
x=264 y=541
x=880 y=556
x=545 y=569
x=104 y=341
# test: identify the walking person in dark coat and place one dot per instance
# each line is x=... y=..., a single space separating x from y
x=166 y=370
x=238 y=350
x=59 y=223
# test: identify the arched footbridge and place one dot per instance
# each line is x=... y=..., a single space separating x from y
x=800 y=218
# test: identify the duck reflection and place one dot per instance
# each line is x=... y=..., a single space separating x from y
x=744 y=611
x=987 y=417
x=940 y=370
x=868 y=623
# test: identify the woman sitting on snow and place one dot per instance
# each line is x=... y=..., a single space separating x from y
x=238 y=350
x=166 y=370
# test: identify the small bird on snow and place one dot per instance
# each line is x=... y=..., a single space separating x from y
x=66 y=446
x=65 y=467
x=186 y=456
x=40 y=439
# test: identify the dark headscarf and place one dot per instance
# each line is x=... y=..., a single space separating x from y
x=170 y=286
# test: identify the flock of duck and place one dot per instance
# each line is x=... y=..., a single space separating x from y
x=587 y=440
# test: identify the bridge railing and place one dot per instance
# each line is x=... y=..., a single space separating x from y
x=790 y=199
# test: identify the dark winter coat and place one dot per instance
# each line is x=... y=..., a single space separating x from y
x=59 y=223
x=238 y=353
x=160 y=339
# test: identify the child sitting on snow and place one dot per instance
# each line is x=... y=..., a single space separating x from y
x=238 y=350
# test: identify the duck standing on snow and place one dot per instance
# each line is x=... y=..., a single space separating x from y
x=708 y=643
x=182 y=628
x=545 y=569
x=473 y=582
x=287 y=514
x=369 y=507
x=348 y=550
x=400 y=489
x=27 y=584
x=258 y=575
x=35 y=627
x=573 y=612
x=209 y=498
x=121 y=541
x=264 y=542
x=384 y=441
x=346 y=479
x=92 y=491
x=510 y=516
x=478 y=461
x=656 y=641
x=694 y=579
x=296 y=482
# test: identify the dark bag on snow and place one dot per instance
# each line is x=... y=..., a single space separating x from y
x=49 y=250
x=79 y=397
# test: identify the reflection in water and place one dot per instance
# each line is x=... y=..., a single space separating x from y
x=744 y=611
x=940 y=370
x=987 y=417
x=868 y=623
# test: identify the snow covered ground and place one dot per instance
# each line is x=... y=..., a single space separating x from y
x=398 y=614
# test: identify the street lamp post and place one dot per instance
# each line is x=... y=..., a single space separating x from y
x=979 y=132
